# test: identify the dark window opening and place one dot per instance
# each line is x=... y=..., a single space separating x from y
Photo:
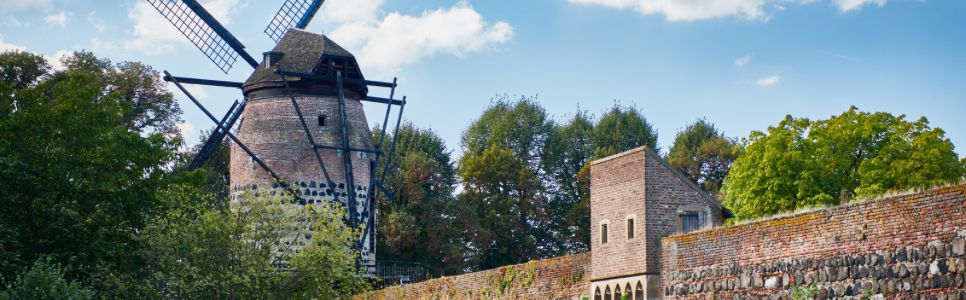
x=690 y=222
x=322 y=120
x=630 y=228
x=603 y=233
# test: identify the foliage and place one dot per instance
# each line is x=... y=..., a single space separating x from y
x=77 y=181
x=803 y=293
x=550 y=208
x=569 y=153
x=45 y=280
x=199 y=252
x=421 y=224
x=503 y=194
x=623 y=128
x=216 y=170
x=703 y=154
x=802 y=163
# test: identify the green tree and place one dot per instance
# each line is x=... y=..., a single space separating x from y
x=45 y=280
x=801 y=163
x=420 y=225
x=570 y=150
x=77 y=180
x=621 y=129
x=503 y=193
x=198 y=251
x=703 y=154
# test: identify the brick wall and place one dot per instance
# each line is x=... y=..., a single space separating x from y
x=556 y=278
x=669 y=194
x=270 y=128
x=639 y=184
x=902 y=247
x=617 y=190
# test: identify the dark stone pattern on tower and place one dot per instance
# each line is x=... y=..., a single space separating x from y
x=272 y=130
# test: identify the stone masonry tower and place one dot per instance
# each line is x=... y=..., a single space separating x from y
x=271 y=128
x=636 y=198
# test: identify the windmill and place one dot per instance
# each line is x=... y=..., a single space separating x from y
x=300 y=126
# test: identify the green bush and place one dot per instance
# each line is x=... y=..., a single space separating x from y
x=45 y=280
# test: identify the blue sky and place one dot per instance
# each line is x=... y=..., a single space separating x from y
x=742 y=64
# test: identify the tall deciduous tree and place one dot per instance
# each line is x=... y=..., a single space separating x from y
x=570 y=150
x=525 y=130
x=421 y=224
x=801 y=163
x=504 y=195
x=623 y=128
x=78 y=179
x=703 y=154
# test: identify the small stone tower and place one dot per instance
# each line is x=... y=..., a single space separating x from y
x=636 y=199
x=272 y=130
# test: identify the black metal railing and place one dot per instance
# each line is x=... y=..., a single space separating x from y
x=389 y=273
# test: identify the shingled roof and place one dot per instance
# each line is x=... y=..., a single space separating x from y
x=306 y=52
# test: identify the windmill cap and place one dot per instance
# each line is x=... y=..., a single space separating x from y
x=305 y=52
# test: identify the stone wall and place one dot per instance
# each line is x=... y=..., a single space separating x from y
x=556 y=278
x=900 y=247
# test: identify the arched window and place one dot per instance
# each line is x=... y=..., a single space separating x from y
x=617 y=292
x=628 y=291
x=607 y=295
x=597 y=293
x=639 y=293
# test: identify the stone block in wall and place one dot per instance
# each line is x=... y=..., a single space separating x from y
x=901 y=247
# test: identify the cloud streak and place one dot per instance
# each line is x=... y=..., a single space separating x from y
x=58 y=19
x=694 y=10
x=769 y=81
x=742 y=61
x=850 y=5
x=845 y=57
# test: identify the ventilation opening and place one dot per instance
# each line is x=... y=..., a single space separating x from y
x=322 y=120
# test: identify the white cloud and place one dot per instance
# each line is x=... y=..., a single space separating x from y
x=96 y=22
x=15 y=5
x=676 y=10
x=342 y=11
x=397 y=40
x=769 y=81
x=56 y=61
x=742 y=61
x=197 y=91
x=849 y=5
x=153 y=34
x=4 y=46
x=59 y=19
x=99 y=46
x=692 y=10
x=188 y=132
x=53 y=60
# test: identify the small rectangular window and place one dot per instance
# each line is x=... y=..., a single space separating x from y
x=322 y=120
x=690 y=222
x=603 y=233
x=630 y=228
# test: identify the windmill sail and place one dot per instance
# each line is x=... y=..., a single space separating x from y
x=293 y=13
x=204 y=31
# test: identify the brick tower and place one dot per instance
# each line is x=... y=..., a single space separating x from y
x=272 y=129
x=636 y=199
